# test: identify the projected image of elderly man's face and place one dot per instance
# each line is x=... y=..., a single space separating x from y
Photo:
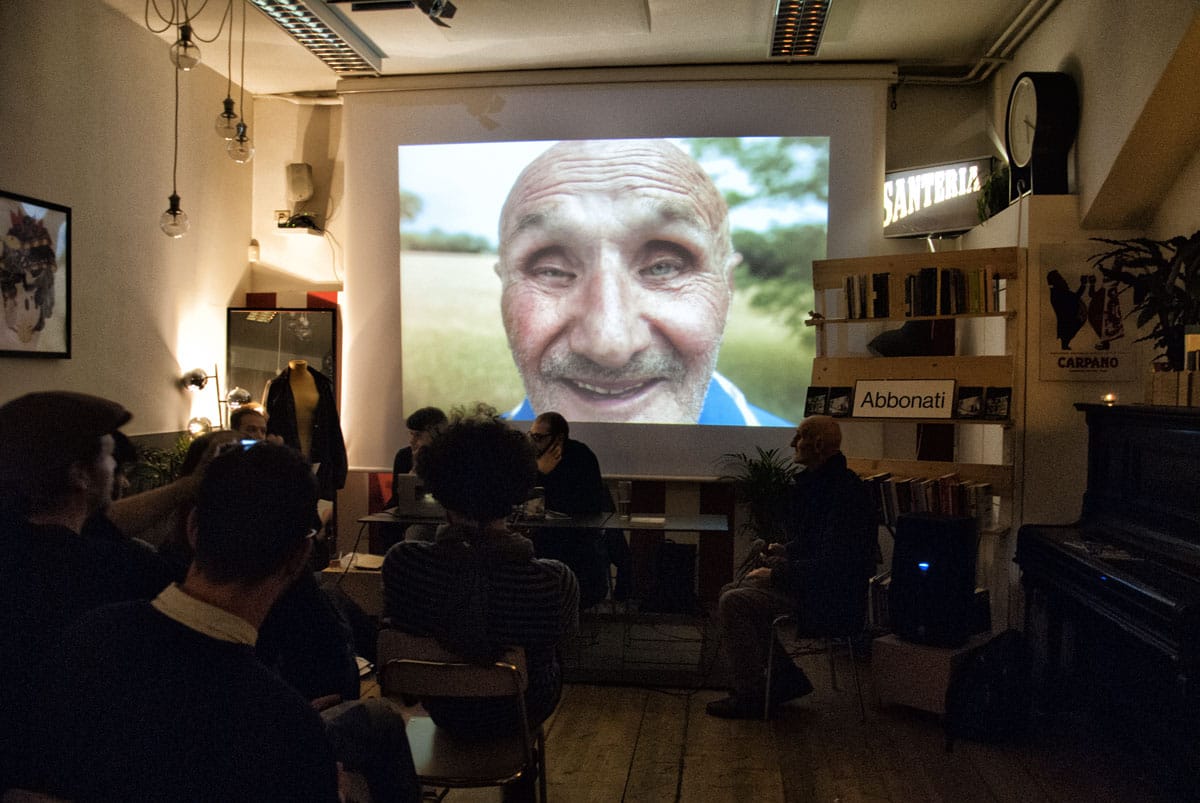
x=617 y=276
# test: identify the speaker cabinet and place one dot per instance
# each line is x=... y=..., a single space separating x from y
x=933 y=579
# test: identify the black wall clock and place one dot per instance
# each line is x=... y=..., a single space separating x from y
x=1040 y=127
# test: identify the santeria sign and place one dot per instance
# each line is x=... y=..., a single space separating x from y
x=933 y=200
x=903 y=398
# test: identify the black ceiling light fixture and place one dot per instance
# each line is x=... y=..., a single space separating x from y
x=436 y=10
x=799 y=25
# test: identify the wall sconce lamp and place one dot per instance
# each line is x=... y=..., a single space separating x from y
x=195 y=381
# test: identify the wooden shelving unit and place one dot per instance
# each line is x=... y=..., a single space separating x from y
x=994 y=451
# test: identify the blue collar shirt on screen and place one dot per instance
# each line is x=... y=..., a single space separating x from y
x=725 y=405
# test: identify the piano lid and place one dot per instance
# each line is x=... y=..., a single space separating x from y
x=1144 y=475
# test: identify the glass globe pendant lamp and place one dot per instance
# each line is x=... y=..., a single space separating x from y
x=241 y=147
x=185 y=54
x=174 y=222
x=227 y=120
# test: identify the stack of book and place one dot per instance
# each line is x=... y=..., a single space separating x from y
x=951 y=291
x=947 y=495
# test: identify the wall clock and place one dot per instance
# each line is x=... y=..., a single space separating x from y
x=1040 y=127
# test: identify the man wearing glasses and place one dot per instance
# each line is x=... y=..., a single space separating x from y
x=570 y=474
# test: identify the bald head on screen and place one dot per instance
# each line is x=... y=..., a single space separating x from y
x=617 y=275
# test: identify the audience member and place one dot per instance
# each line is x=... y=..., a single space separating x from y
x=305 y=638
x=570 y=474
x=250 y=422
x=422 y=425
x=479 y=587
x=827 y=561
x=166 y=699
x=56 y=471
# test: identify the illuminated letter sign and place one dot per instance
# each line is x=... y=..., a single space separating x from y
x=938 y=199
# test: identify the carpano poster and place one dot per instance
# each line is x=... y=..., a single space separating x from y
x=1084 y=334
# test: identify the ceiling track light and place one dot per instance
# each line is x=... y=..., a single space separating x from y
x=322 y=32
x=799 y=26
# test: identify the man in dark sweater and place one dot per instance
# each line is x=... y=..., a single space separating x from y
x=570 y=474
x=166 y=699
x=822 y=570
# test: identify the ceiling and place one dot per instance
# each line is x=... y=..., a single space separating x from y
x=929 y=40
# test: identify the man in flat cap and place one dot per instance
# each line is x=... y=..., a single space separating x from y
x=56 y=471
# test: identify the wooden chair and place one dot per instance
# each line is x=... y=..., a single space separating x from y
x=417 y=666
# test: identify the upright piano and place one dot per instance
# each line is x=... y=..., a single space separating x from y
x=1113 y=600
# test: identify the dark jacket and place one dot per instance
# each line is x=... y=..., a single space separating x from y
x=831 y=546
x=328 y=448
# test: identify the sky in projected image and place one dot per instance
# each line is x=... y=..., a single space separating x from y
x=614 y=277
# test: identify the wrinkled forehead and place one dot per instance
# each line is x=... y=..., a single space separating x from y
x=616 y=168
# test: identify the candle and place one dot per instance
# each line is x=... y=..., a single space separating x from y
x=1109 y=398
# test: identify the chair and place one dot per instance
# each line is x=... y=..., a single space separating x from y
x=830 y=641
x=418 y=666
x=832 y=608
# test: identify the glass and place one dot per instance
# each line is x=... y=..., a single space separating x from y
x=624 y=492
x=535 y=506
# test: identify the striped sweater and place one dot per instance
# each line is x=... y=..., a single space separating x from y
x=484 y=591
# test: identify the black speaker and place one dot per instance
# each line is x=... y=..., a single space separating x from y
x=933 y=579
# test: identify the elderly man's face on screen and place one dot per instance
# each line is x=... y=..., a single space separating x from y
x=617 y=276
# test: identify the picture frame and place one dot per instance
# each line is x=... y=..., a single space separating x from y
x=996 y=403
x=35 y=278
x=969 y=401
x=816 y=401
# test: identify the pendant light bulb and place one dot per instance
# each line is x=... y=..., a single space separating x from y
x=185 y=54
x=241 y=147
x=227 y=121
x=174 y=222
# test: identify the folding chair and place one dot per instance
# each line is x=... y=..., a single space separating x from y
x=830 y=640
x=418 y=666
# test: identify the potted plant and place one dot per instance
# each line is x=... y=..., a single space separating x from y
x=1165 y=278
x=761 y=481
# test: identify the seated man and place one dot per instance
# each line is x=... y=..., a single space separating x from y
x=479 y=587
x=166 y=699
x=823 y=569
x=570 y=474
x=422 y=425
x=56 y=475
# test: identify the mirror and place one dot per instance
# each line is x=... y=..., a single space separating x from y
x=260 y=342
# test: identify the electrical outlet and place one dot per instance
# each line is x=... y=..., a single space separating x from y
x=282 y=216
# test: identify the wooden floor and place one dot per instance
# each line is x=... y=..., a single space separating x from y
x=607 y=744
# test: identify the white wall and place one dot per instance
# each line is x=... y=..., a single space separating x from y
x=87 y=101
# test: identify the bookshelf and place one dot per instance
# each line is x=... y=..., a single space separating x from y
x=980 y=292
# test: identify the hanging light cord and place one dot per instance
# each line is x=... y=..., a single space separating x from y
x=242 y=80
x=228 y=50
x=175 y=155
x=176 y=18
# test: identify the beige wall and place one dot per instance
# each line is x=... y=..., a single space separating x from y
x=87 y=101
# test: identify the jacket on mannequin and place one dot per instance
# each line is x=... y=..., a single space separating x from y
x=327 y=446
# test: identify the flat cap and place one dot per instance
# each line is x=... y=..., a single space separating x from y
x=53 y=428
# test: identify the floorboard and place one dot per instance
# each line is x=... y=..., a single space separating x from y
x=629 y=744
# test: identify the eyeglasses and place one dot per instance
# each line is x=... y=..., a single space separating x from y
x=540 y=436
x=312 y=534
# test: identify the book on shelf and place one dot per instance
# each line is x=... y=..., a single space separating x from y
x=816 y=401
x=997 y=402
x=946 y=503
x=881 y=303
x=968 y=401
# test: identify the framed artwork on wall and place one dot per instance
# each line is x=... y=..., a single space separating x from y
x=35 y=277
